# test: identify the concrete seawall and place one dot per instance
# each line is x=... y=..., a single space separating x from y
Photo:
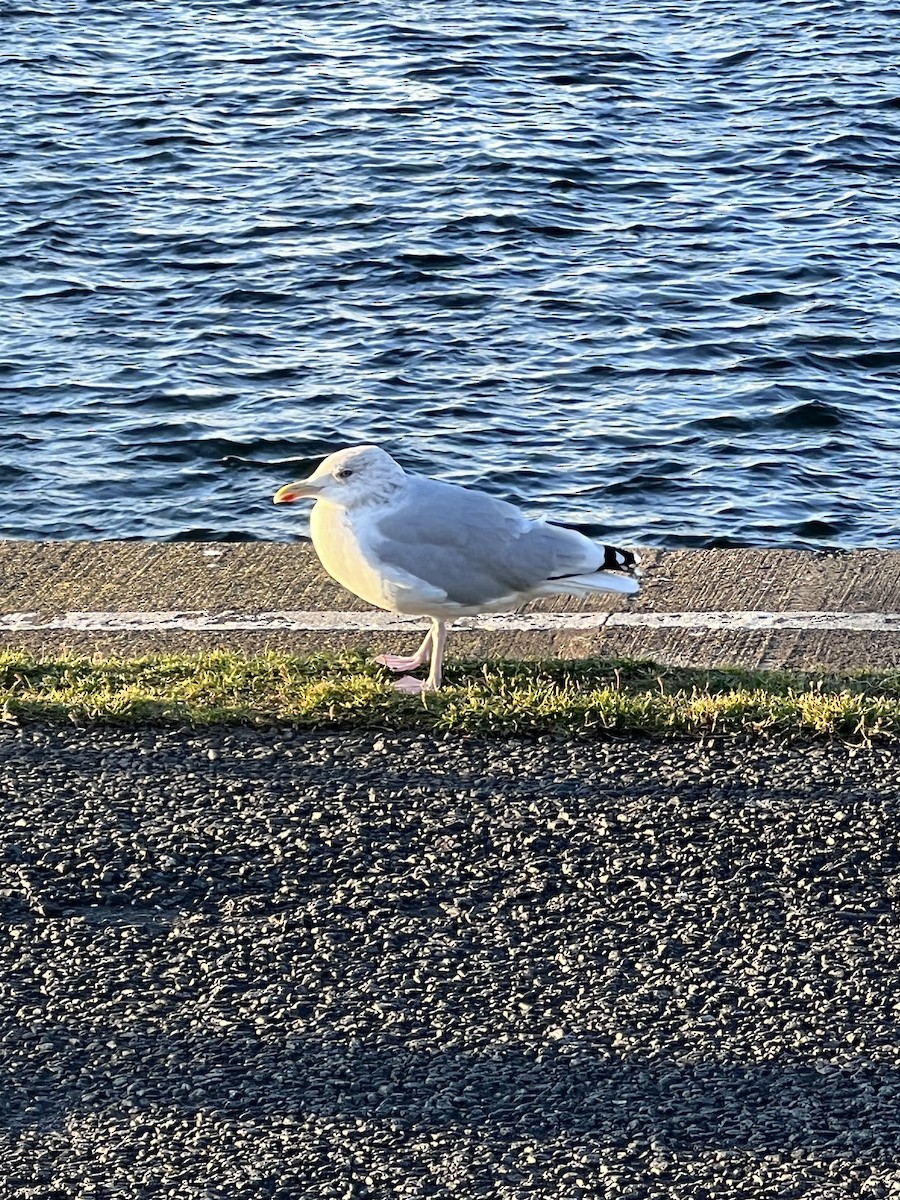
x=764 y=608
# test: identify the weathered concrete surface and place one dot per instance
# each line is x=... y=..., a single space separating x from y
x=52 y=578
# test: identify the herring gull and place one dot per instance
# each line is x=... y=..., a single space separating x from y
x=423 y=548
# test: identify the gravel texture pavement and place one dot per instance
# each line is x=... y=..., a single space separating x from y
x=262 y=964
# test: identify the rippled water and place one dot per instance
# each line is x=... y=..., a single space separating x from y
x=633 y=265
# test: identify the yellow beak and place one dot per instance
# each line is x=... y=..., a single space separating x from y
x=295 y=491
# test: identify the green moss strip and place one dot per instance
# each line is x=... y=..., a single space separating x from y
x=500 y=697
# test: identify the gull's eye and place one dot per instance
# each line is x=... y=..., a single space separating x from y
x=345 y=474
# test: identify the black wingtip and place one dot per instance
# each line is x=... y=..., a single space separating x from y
x=617 y=559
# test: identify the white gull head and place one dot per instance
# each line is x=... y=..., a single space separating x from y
x=358 y=477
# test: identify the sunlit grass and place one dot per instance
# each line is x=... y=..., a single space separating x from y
x=588 y=696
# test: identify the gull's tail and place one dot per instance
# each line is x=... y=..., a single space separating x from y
x=619 y=572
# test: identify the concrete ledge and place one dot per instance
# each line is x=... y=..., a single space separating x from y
x=48 y=580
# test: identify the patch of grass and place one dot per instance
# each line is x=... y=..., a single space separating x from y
x=586 y=696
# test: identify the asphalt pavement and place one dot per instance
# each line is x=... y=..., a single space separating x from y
x=249 y=963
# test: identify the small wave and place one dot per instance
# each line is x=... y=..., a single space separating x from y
x=207 y=533
x=877 y=359
x=769 y=300
x=812 y=414
x=735 y=59
x=724 y=423
x=817 y=529
x=435 y=259
x=255 y=296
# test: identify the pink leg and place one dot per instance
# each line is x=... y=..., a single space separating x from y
x=414 y=687
x=397 y=662
x=433 y=682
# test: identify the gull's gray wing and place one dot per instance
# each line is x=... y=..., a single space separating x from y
x=475 y=548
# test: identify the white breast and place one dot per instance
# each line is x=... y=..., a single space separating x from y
x=341 y=551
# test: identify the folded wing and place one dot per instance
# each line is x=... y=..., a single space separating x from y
x=479 y=550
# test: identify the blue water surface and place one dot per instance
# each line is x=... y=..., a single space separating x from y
x=630 y=265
